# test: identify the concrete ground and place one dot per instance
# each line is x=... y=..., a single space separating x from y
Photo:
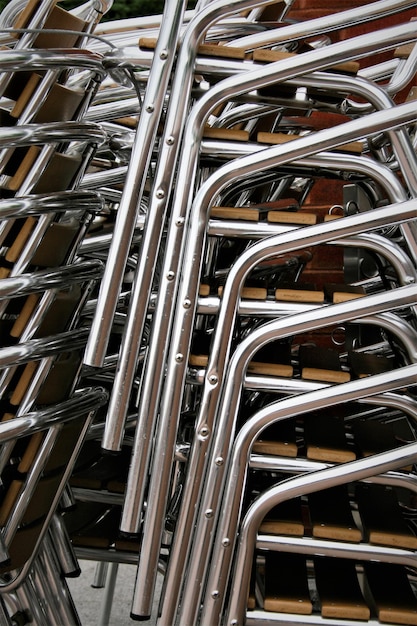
x=91 y=602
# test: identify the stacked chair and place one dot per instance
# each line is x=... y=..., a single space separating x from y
x=208 y=310
x=47 y=145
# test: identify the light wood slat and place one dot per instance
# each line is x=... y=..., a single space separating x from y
x=332 y=517
x=265 y=55
x=23 y=383
x=391 y=592
x=18 y=244
x=278 y=439
x=323 y=375
x=321 y=364
x=235 y=213
x=205 y=49
x=355 y=147
x=339 y=590
x=284 y=519
x=251 y=293
x=227 y=134
x=325 y=440
x=291 y=217
x=299 y=295
x=24 y=316
x=382 y=517
x=286 y=586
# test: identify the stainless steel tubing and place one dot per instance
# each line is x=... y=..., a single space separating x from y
x=379 y=99
x=34 y=349
x=19 y=60
x=321 y=25
x=25 y=496
x=62 y=547
x=108 y=599
x=55 y=587
x=4 y=614
x=44 y=280
x=50 y=608
x=221 y=178
x=81 y=403
x=53 y=132
x=36 y=204
x=135 y=181
x=36 y=21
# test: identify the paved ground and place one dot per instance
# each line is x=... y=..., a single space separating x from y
x=90 y=601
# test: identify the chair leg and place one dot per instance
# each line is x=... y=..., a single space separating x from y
x=109 y=594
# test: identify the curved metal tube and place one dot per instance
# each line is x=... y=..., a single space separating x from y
x=321 y=25
x=332 y=161
x=32 y=59
x=188 y=162
x=35 y=349
x=152 y=233
x=36 y=21
x=38 y=204
x=53 y=132
x=44 y=280
x=376 y=97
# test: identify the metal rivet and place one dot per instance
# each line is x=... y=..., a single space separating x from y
x=219 y=461
x=213 y=379
x=150 y=108
x=187 y=303
x=170 y=140
x=160 y=194
x=215 y=594
x=179 y=357
x=170 y=275
x=226 y=542
x=163 y=54
x=209 y=513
